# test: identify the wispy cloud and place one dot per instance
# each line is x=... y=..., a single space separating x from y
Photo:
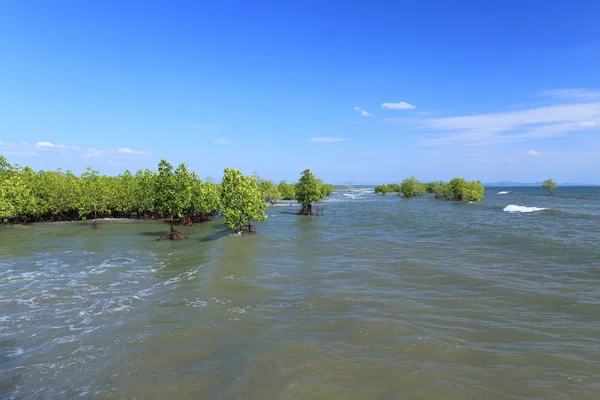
x=93 y=153
x=398 y=106
x=122 y=152
x=517 y=126
x=362 y=112
x=534 y=153
x=222 y=141
x=47 y=148
x=50 y=145
x=326 y=139
x=125 y=150
x=579 y=94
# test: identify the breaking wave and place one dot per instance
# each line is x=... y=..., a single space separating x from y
x=503 y=192
x=522 y=209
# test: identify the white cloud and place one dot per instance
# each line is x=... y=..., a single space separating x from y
x=121 y=151
x=221 y=141
x=50 y=145
x=398 y=106
x=93 y=153
x=512 y=120
x=534 y=153
x=125 y=150
x=517 y=126
x=25 y=149
x=326 y=139
x=580 y=94
x=364 y=113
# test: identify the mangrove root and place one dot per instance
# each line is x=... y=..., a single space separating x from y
x=308 y=210
x=173 y=235
x=186 y=222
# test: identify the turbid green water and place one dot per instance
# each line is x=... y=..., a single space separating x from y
x=381 y=298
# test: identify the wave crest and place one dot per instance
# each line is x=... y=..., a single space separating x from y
x=514 y=208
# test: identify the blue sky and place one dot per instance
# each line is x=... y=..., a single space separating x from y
x=362 y=92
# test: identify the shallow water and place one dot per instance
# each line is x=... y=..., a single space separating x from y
x=381 y=298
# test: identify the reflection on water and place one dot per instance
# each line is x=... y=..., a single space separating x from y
x=379 y=298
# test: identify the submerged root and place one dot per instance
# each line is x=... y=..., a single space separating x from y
x=186 y=222
x=306 y=210
x=94 y=225
x=309 y=210
x=173 y=235
x=244 y=230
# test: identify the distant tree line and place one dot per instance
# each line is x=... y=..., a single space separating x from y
x=457 y=189
x=175 y=194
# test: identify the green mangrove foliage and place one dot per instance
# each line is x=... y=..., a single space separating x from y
x=308 y=192
x=269 y=190
x=93 y=195
x=382 y=189
x=175 y=194
x=459 y=189
x=411 y=187
x=15 y=194
x=326 y=188
x=26 y=195
x=549 y=185
x=395 y=188
x=385 y=189
x=287 y=190
x=437 y=188
x=242 y=200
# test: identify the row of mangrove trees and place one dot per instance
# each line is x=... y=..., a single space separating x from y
x=457 y=189
x=175 y=194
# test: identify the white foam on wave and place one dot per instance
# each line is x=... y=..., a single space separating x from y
x=283 y=204
x=196 y=303
x=522 y=209
x=16 y=352
x=503 y=192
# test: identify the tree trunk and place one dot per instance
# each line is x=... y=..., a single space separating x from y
x=95 y=224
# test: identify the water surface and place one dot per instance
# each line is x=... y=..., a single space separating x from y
x=381 y=298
